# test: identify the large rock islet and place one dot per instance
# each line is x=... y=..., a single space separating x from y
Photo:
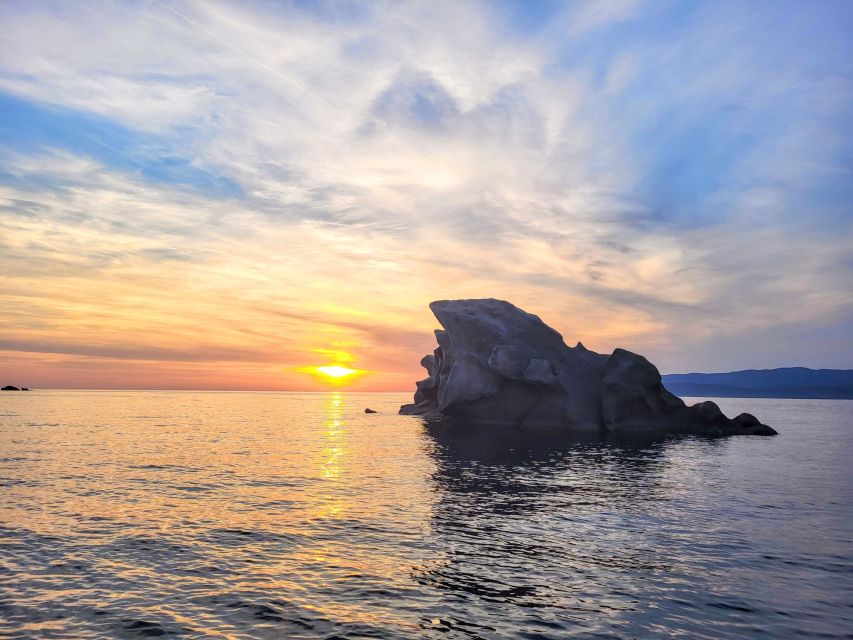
x=499 y=365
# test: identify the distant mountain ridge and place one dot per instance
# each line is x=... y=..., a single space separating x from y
x=787 y=382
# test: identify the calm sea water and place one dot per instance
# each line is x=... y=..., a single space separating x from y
x=275 y=515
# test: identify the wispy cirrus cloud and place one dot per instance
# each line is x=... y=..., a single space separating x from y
x=268 y=182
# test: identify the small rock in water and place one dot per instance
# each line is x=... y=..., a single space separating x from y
x=9 y=387
x=369 y=410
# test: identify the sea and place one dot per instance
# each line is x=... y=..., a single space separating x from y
x=142 y=514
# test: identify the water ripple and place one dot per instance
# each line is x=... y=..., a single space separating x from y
x=154 y=514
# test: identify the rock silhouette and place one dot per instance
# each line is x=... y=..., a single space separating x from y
x=496 y=364
x=9 y=387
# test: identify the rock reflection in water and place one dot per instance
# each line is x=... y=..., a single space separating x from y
x=546 y=521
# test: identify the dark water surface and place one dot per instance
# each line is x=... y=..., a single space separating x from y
x=271 y=515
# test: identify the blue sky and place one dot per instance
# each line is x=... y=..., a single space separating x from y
x=671 y=177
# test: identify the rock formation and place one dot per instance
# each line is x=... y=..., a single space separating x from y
x=496 y=364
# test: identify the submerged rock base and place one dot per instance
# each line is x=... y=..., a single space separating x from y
x=498 y=365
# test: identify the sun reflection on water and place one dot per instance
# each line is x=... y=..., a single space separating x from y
x=262 y=497
x=332 y=453
x=332 y=445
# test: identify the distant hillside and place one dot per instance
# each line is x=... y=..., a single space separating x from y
x=790 y=382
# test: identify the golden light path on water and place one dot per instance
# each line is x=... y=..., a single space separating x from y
x=278 y=491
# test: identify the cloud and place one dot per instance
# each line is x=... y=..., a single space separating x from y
x=272 y=181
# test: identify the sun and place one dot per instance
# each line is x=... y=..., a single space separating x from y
x=336 y=374
x=336 y=371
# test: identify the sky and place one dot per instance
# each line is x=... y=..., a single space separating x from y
x=224 y=195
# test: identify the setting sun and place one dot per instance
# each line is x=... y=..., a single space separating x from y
x=336 y=374
x=336 y=371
